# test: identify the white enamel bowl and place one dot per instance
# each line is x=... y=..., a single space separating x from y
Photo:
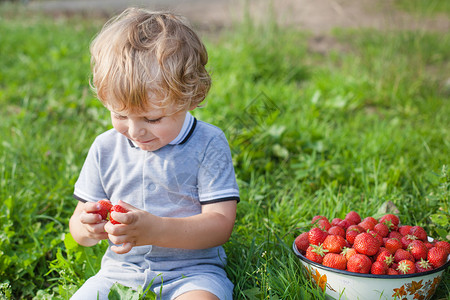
x=339 y=284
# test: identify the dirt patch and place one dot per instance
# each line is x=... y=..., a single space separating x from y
x=317 y=16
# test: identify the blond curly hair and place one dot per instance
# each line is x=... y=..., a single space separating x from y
x=141 y=55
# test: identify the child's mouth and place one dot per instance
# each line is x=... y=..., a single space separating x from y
x=145 y=142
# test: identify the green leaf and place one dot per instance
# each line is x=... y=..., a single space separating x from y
x=120 y=292
x=442 y=233
x=440 y=219
x=253 y=293
x=69 y=242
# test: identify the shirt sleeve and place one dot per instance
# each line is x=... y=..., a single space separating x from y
x=89 y=187
x=216 y=177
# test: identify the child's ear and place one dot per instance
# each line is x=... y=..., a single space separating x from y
x=193 y=106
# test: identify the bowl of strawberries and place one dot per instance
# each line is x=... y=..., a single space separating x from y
x=354 y=258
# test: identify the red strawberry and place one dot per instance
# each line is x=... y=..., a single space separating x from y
x=381 y=229
x=395 y=235
x=392 y=271
x=335 y=221
x=379 y=268
x=359 y=263
x=323 y=224
x=353 y=217
x=437 y=256
x=393 y=245
x=443 y=244
x=348 y=252
x=315 y=219
x=366 y=225
x=334 y=260
x=117 y=208
x=315 y=253
x=386 y=257
x=337 y=230
x=418 y=249
x=381 y=249
x=371 y=220
x=302 y=242
x=402 y=254
x=404 y=230
x=429 y=245
x=406 y=267
x=423 y=266
x=351 y=235
x=419 y=233
x=345 y=224
x=316 y=236
x=352 y=232
x=334 y=243
x=367 y=244
x=377 y=236
x=390 y=220
x=105 y=208
x=406 y=240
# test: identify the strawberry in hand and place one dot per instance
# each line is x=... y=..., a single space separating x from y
x=119 y=209
x=105 y=208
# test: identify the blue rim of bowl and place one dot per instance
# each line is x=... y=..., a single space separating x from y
x=348 y=273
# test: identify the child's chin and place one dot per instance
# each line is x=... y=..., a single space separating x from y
x=150 y=147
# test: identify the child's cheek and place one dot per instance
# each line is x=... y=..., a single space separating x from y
x=120 y=125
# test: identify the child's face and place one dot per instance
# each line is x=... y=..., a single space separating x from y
x=151 y=130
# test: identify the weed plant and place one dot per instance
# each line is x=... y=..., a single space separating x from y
x=312 y=133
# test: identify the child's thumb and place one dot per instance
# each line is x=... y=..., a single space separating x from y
x=127 y=206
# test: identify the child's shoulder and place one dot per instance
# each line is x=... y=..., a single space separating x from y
x=208 y=129
x=208 y=136
x=108 y=138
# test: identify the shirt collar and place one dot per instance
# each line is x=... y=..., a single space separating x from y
x=186 y=130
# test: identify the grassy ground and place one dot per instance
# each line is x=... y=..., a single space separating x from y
x=362 y=124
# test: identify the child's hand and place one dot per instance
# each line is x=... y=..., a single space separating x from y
x=86 y=224
x=138 y=227
x=92 y=221
x=132 y=229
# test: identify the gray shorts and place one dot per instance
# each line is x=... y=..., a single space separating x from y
x=100 y=285
x=168 y=278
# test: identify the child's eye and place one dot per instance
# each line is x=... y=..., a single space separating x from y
x=153 y=121
x=120 y=117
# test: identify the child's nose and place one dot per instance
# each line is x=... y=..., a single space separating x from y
x=136 y=129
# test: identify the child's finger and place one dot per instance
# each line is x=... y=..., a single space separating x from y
x=91 y=207
x=122 y=249
x=127 y=206
x=90 y=218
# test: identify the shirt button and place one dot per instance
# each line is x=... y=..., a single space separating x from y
x=152 y=187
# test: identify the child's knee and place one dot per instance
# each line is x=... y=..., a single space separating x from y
x=94 y=288
x=197 y=295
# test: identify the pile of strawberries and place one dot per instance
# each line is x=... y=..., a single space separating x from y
x=382 y=247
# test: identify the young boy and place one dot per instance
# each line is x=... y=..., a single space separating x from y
x=172 y=173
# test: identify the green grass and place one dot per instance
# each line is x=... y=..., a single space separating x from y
x=311 y=133
x=424 y=7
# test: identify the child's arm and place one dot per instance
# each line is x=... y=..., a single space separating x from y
x=211 y=228
x=86 y=225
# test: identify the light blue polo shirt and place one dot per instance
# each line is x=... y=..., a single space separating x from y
x=174 y=181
